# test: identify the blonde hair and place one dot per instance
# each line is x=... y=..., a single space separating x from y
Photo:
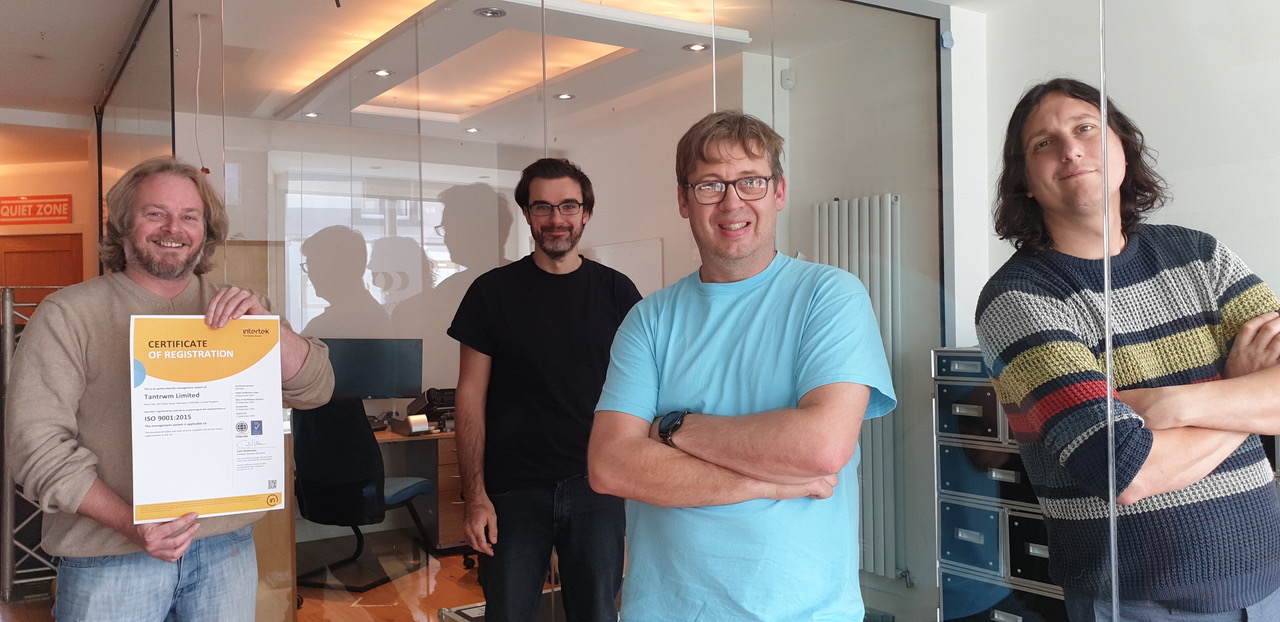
x=120 y=211
x=732 y=127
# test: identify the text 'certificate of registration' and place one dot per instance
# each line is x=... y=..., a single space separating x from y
x=208 y=435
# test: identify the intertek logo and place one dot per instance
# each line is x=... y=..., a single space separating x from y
x=256 y=331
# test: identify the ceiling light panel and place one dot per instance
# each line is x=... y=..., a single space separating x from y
x=502 y=65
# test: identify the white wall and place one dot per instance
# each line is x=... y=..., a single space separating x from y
x=1030 y=41
x=1207 y=106
x=966 y=223
x=1197 y=78
x=629 y=150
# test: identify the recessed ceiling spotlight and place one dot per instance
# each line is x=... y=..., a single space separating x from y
x=310 y=115
x=490 y=11
x=472 y=130
x=565 y=96
x=696 y=47
x=382 y=73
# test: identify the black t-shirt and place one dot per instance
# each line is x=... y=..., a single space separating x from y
x=549 y=337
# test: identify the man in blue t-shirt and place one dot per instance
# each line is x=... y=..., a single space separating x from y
x=534 y=341
x=731 y=411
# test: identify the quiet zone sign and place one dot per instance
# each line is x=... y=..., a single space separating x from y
x=35 y=210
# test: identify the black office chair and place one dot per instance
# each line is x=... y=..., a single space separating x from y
x=338 y=477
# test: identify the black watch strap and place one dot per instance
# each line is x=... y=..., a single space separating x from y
x=669 y=424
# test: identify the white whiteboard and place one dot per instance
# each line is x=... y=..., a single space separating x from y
x=640 y=260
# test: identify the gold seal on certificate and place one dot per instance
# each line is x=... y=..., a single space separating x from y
x=208 y=432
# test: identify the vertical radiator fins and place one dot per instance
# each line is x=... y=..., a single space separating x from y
x=862 y=236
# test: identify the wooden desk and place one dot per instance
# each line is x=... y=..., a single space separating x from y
x=441 y=467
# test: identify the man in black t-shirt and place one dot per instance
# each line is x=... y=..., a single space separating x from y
x=534 y=339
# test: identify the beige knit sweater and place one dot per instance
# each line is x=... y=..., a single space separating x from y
x=67 y=415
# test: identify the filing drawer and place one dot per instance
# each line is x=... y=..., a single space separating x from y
x=447 y=451
x=972 y=600
x=449 y=477
x=960 y=363
x=970 y=536
x=984 y=471
x=1028 y=548
x=452 y=531
x=967 y=411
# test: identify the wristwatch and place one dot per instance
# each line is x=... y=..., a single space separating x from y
x=669 y=424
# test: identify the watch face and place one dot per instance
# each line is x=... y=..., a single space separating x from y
x=671 y=420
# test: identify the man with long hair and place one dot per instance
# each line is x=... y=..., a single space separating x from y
x=68 y=423
x=1198 y=514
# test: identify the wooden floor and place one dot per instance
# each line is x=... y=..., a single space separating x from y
x=417 y=596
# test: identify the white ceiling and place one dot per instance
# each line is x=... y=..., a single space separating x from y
x=282 y=56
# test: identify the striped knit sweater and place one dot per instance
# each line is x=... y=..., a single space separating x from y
x=1178 y=297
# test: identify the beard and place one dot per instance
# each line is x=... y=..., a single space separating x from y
x=159 y=268
x=557 y=247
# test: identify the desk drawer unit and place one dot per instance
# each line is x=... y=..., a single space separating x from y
x=993 y=551
x=968 y=599
x=967 y=411
x=970 y=536
x=995 y=472
x=449 y=494
x=1028 y=548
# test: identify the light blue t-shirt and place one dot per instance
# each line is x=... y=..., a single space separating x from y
x=735 y=349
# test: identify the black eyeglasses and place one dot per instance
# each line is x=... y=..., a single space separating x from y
x=712 y=192
x=568 y=208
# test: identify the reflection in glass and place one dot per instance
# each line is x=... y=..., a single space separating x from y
x=390 y=156
x=1204 y=89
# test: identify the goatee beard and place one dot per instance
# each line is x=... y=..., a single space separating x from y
x=560 y=247
x=152 y=265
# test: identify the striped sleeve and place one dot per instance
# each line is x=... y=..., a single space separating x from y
x=1053 y=388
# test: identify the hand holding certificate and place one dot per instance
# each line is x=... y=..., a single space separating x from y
x=207 y=427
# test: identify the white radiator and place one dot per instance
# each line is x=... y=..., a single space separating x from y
x=863 y=237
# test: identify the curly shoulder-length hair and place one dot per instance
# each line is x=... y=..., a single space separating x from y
x=1020 y=218
x=120 y=211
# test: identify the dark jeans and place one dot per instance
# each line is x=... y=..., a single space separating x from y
x=1083 y=608
x=585 y=527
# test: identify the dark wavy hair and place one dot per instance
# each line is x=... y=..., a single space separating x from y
x=120 y=211
x=1020 y=218
x=554 y=168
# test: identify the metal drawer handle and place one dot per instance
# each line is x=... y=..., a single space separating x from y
x=455 y=477
x=1038 y=550
x=1004 y=475
x=1000 y=616
x=457 y=502
x=966 y=410
x=971 y=367
x=969 y=535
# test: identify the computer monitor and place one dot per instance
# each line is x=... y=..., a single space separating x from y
x=376 y=368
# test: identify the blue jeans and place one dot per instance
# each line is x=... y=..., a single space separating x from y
x=216 y=580
x=585 y=527
x=1085 y=608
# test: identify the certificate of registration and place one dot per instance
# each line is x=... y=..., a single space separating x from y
x=208 y=433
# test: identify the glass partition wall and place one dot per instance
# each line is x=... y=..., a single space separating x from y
x=370 y=176
x=375 y=174
x=387 y=173
x=1197 y=80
